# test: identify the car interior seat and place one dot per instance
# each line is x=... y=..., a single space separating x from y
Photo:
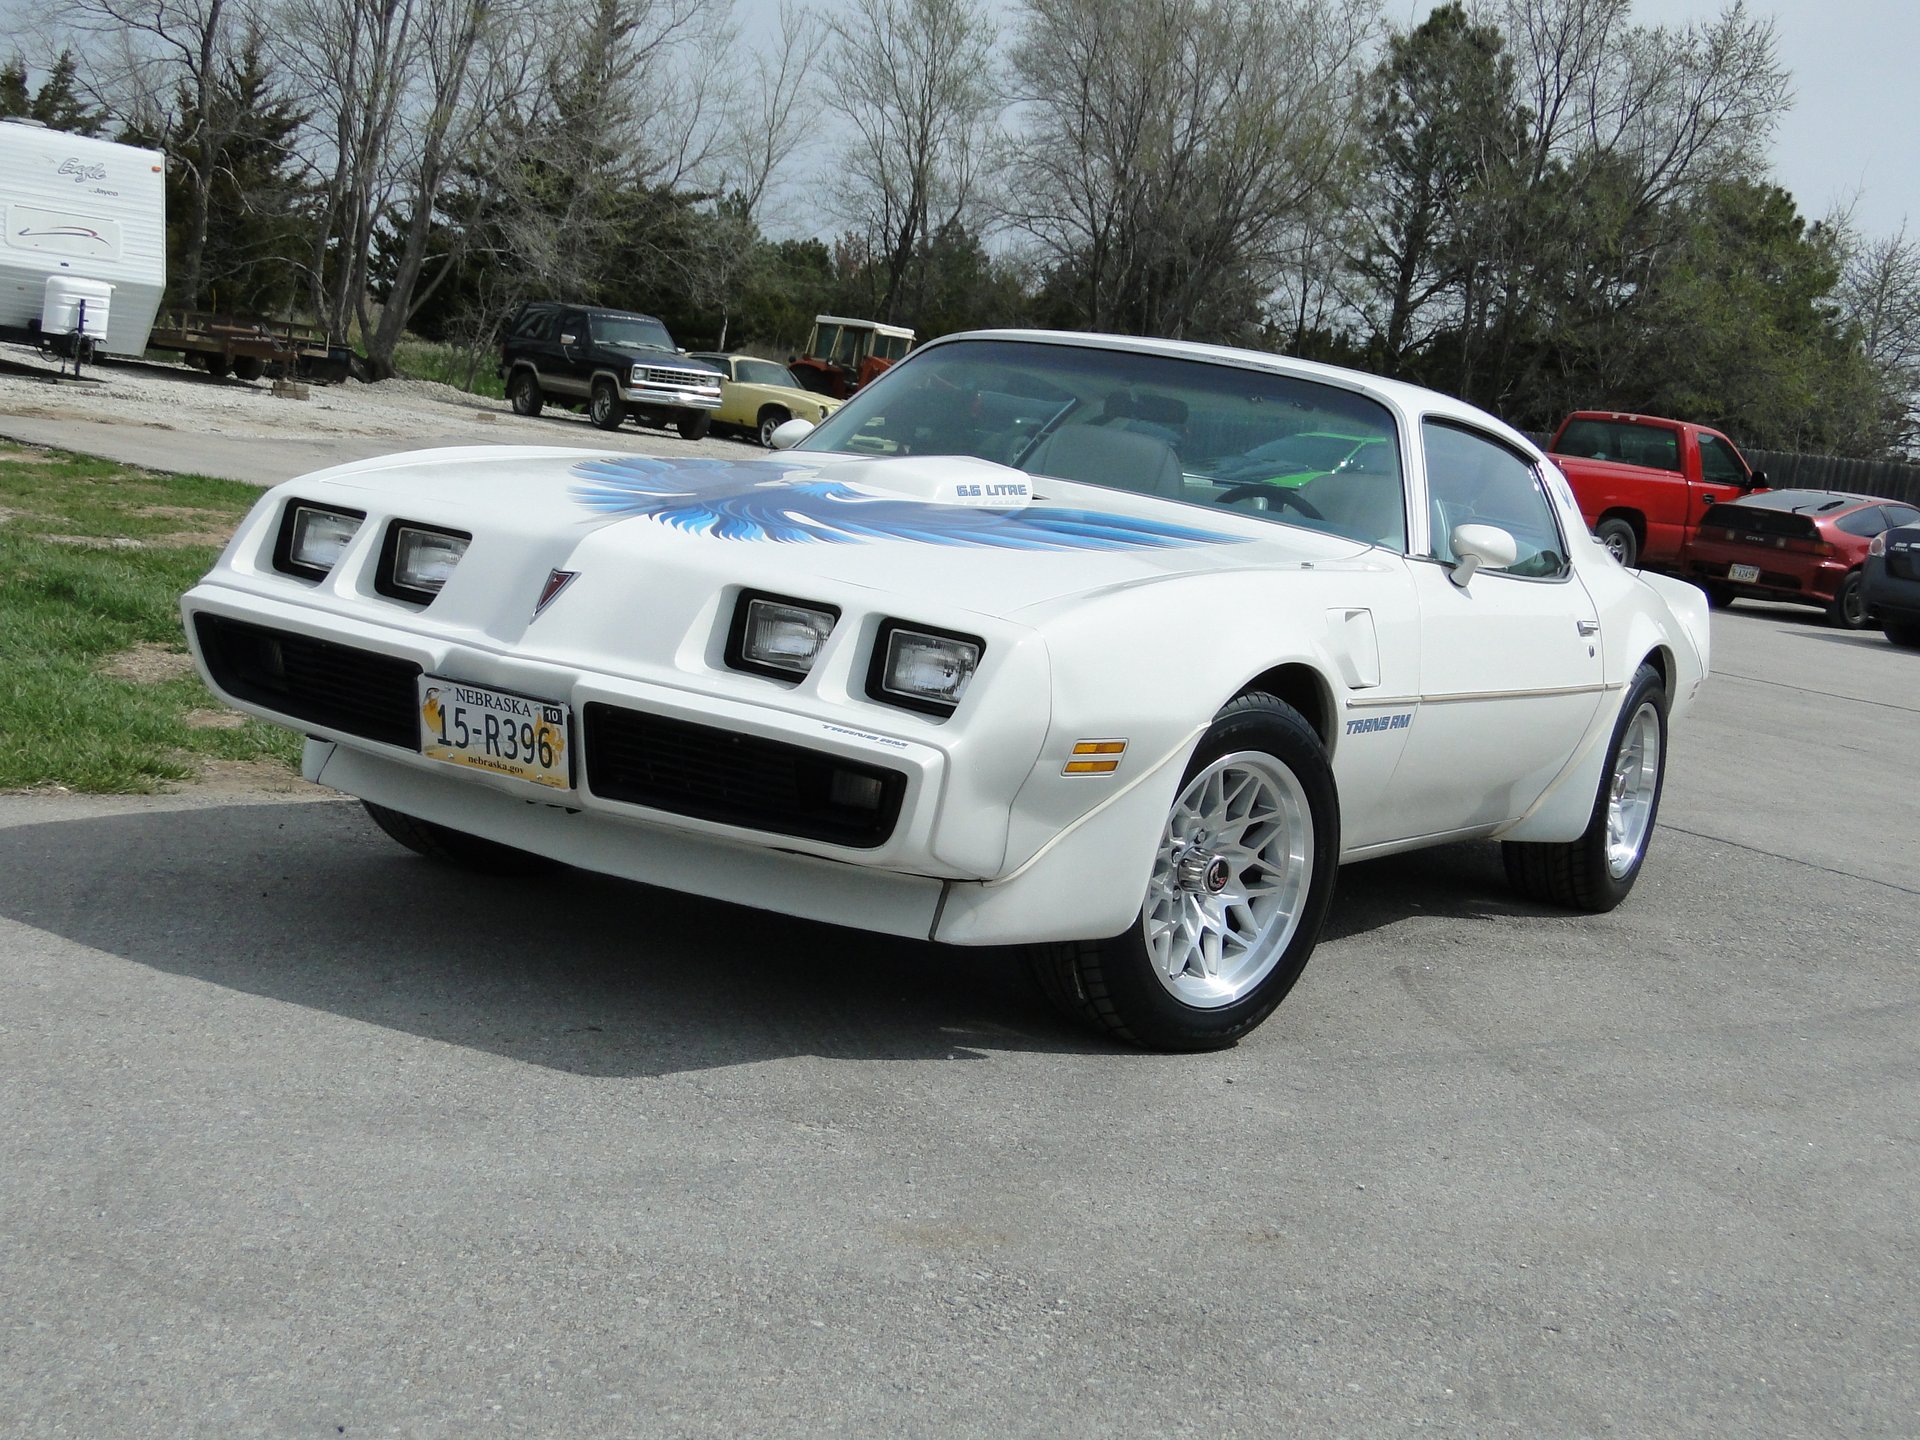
x=1118 y=459
x=1362 y=505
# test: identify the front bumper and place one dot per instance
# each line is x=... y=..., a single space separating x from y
x=668 y=397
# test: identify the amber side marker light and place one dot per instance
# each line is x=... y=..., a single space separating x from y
x=1095 y=757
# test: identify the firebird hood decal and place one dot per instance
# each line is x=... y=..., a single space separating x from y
x=761 y=500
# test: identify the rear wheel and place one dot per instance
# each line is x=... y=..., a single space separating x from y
x=1617 y=535
x=455 y=847
x=771 y=419
x=249 y=367
x=1904 y=633
x=218 y=366
x=1848 y=609
x=607 y=410
x=1718 y=596
x=693 y=424
x=1595 y=872
x=524 y=391
x=1233 y=908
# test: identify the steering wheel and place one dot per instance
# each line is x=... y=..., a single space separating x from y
x=1280 y=494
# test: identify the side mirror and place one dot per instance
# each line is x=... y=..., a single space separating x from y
x=790 y=433
x=1477 y=546
x=1756 y=480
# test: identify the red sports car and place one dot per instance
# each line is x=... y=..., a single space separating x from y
x=1806 y=546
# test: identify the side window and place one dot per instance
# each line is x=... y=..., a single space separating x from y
x=1868 y=522
x=1473 y=479
x=1901 y=514
x=1719 y=464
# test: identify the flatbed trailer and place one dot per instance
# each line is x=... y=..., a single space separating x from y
x=249 y=348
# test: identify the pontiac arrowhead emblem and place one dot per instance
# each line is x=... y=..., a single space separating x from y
x=557 y=580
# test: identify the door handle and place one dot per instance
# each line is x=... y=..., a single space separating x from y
x=1588 y=627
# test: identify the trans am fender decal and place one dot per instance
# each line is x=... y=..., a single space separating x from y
x=761 y=500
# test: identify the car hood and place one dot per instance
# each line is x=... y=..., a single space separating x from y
x=955 y=531
x=653 y=355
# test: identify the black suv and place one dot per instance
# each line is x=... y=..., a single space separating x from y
x=610 y=363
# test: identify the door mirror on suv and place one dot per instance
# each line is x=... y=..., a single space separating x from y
x=1756 y=480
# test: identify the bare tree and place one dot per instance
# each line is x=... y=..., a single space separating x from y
x=912 y=78
x=1171 y=149
x=1879 y=296
x=161 y=62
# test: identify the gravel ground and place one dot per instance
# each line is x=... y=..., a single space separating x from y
x=172 y=417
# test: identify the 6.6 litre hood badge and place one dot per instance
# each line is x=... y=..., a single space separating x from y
x=557 y=580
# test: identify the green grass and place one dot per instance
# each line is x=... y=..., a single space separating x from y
x=93 y=558
x=448 y=364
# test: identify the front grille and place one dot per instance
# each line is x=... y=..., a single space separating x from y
x=339 y=687
x=683 y=379
x=735 y=779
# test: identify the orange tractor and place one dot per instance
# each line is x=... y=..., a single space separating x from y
x=842 y=355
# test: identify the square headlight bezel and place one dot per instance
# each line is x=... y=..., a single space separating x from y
x=736 y=651
x=878 y=666
x=283 y=556
x=386 y=582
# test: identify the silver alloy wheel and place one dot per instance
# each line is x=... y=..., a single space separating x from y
x=1231 y=879
x=1616 y=544
x=1632 y=791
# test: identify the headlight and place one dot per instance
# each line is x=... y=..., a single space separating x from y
x=925 y=670
x=312 y=538
x=416 y=560
x=776 y=636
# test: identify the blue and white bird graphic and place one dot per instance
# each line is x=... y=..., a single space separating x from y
x=760 y=500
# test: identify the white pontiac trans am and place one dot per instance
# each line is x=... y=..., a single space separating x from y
x=996 y=654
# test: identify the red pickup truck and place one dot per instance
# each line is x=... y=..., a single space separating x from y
x=1643 y=482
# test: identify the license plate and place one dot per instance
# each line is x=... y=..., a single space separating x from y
x=1743 y=572
x=494 y=730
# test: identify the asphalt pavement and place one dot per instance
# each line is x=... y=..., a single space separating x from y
x=304 y=1135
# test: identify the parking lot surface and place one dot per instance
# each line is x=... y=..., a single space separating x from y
x=304 y=1135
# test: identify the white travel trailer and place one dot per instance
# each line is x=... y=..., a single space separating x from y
x=85 y=220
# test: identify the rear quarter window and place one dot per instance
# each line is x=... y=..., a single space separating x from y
x=1620 y=440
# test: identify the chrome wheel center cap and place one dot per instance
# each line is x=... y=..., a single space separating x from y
x=1201 y=872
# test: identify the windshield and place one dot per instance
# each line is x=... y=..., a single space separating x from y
x=1180 y=429
x=762 y=372
x=629 y=331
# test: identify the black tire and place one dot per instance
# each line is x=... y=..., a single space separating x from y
x=772 y=417
x=1588 y=873
x=1621 y=541
x=524 y=391
x=249 y=367
x=454 y=847
x=1719 y=597
x=1848 y=610
x=693 y=424
x=1904 y=633
x=1115 y=987
x=218 y=366
x=607 y=410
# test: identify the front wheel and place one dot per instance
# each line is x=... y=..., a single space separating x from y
x=1238 y=893
x=1904 y=633
x=1595 y=872
x=524 y=392
x=771 y=419
x=1848 y=610
x=1617 y=535
x=606 y=409
x=693 y=424
x=456 y=847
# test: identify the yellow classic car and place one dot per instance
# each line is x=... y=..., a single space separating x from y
x=762 y=395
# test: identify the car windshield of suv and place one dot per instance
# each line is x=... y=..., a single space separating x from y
x=629 y=332
x=1175 y=428
x=762 y=372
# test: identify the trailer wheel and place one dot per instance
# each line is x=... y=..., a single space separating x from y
x=218 y=366
x=248 y=367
